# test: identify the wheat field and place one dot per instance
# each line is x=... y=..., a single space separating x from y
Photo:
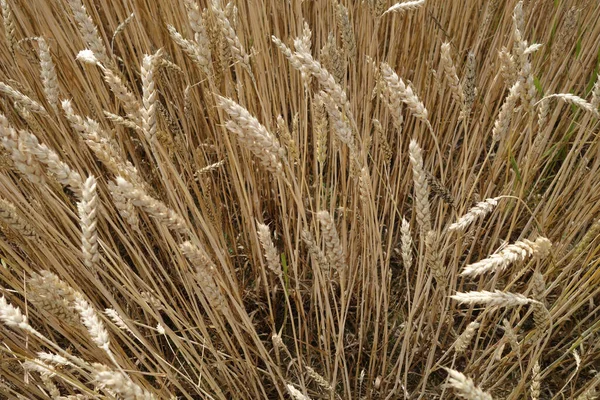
x=300 y=199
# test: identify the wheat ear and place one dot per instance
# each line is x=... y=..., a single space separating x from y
x=405 y=6
x=335 y=252
x=153 y=207
x=49 y=293
x=421 y=188
x=235 y=45
x=9 y=24
x=117 y=383
x=447 y=65
x=502 y=122
x=89 y=32
x=192 y=49
x=88 y=214
x=149 y=96
x=408 y=97
x=205 y=273
x=296 y=394
x=25 y=101
x=518 y=251
x=345 y=26
x=492 y=299
x=271 y=253
x=9 y=215
x=199 y=27
x=464 y=387
x=48 y=73
x=464 y=340
x=576 y=100
x=480 y=210
x=253 y=135
x=23 y=160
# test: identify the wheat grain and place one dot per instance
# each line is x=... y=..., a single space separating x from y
x=518 y=251
x=88 y=214
x=464 y=387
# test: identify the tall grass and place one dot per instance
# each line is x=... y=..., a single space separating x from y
x=299 y=199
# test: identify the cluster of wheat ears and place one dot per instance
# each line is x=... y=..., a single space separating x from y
x=299 y=199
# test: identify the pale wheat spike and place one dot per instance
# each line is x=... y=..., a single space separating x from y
x=125 y=207
x=12 y=316
x=89 y=32
x=9 y=215
x=502 y=122
x=480 y=210
x=198 y=26
x=192 y=49
x=319 y=380
x=406 y=240
x=103 y=146
x=465 y=338
x=394 y=104
x=345 y=27
x=397 y=85
x=305 y=62
x=464 y=387
x=338 y=122
x=510 y=335
x=93 y=323
x=296 y=394
x=28 y=103
x=118 y=383
x=153 y=207
x=149 y=96
x=54 y=359
x=306 y=36
x=48 y=292
x=447 y=65
x=253 y=135
x=63 y=173
x=535 y=381
x=115 y=317
x=595 y=101
x=235 y=45
x=405 y=6
x=469 y=83
x=576 y=100
x=527 y=90
x=516 y=252
x=508 y=68
x=421 y=188
x=48 y=73
x=206 y=274
x=9 y=24
x=23 y=160
x=335 y=252
x=88 y=215
x=271 y=254
x=315 y=250
x=493 y=299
